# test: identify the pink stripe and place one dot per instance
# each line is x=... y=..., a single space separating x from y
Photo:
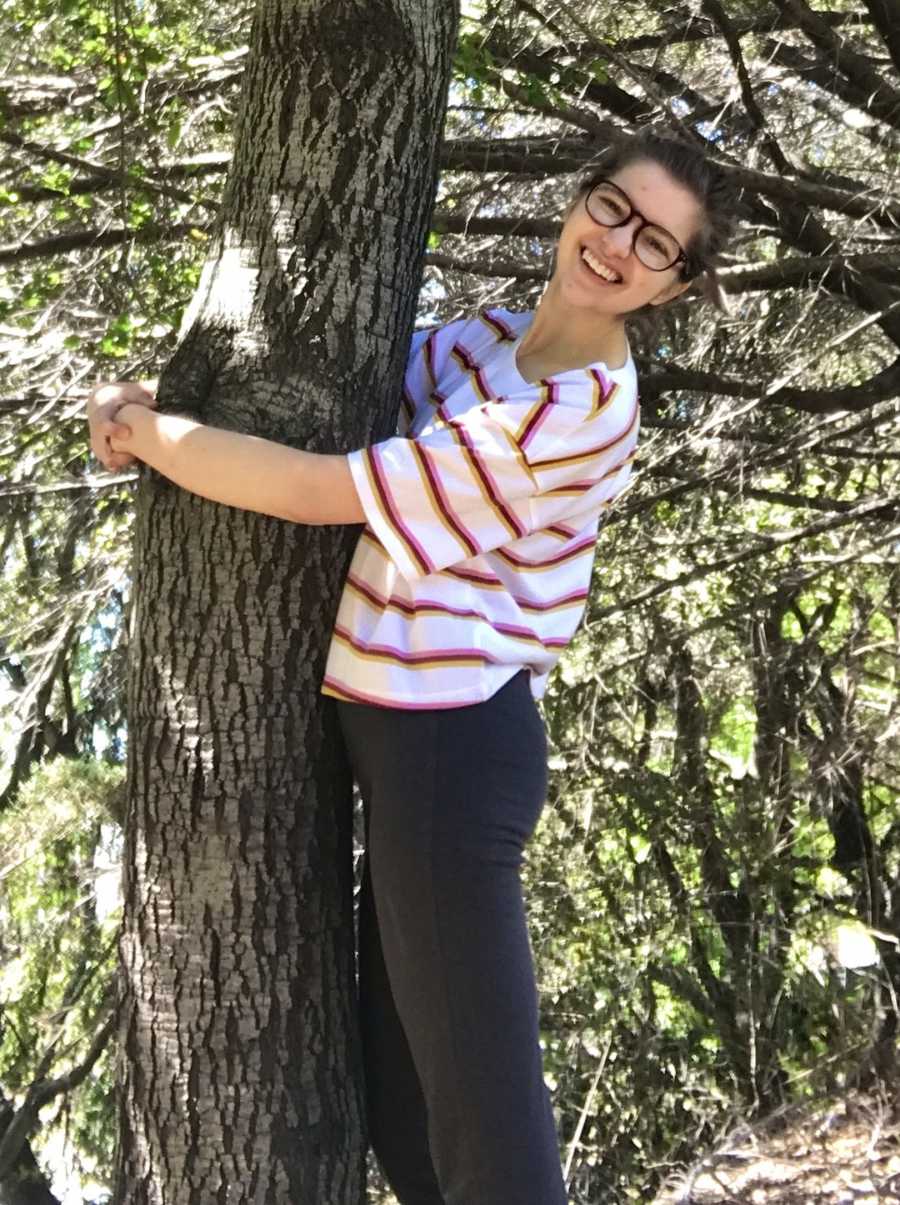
x=489 y=482
x=575 y=596
x=456 y=523
x=419 y=552
x=469 y=575
x=528 y=604
x=491 y=579
x=472 y=366
x=606 y=385
x=587 y=542
x=393 y=705
x=414 y=658
x=493 y=317
x=578 y=486
x=589 y=485
x=509 y=629
x=535 y=424
x=558 y=461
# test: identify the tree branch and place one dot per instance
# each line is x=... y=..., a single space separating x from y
x=720 y=19
x=110 y=175
x=694 y=30
x=764 y=544
x=885 y=16
x=883 y=386
x=62 y=244
x=213 y=163
x=41 y=1092
x=883 y=99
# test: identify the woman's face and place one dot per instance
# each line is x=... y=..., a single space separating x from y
x=661 y=200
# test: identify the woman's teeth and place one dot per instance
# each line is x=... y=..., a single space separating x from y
x=598 y=269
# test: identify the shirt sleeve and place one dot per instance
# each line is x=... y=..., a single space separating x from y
x=475 y=481
x=427 y=349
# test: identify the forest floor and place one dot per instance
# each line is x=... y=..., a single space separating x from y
x=844 y=1153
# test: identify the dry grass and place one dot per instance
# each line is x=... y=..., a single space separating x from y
x=843 y=1153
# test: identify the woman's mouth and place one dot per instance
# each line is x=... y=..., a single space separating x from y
x=598 y=270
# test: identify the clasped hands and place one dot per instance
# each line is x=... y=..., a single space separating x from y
x=103 y=404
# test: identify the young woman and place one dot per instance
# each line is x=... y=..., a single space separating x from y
x=469 y=579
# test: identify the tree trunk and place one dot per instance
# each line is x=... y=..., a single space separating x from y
x=240 y=1073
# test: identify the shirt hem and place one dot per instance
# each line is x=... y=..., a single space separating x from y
x=348 y=694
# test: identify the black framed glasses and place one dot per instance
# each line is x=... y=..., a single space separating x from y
x=653 y=245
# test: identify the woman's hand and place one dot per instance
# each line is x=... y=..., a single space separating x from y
x=105 y=401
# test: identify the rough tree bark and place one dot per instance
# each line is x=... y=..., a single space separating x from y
x=239 y=1072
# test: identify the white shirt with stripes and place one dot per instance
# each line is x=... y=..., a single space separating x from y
x=482 y=515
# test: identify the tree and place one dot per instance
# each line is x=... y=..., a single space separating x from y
x=239 y=1046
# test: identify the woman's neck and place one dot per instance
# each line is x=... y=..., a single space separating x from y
x=564 y=338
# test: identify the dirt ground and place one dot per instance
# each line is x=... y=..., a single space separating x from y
x=843 y=1153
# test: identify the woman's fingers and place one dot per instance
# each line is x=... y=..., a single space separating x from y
x=115 y=430
x=103 y=429
x=109 y=393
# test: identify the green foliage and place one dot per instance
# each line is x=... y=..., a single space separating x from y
x=59 y=952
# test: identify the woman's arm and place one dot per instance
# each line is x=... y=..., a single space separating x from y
x=242 y=470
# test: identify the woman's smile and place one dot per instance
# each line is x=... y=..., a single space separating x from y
x=600 y=271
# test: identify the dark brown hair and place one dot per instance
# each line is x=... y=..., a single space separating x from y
x=691 y=167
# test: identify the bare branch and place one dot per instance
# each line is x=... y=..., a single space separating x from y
x=696 y=30
x=883 y=98
x=717 y=13
x=764 y=544
x=885 y=15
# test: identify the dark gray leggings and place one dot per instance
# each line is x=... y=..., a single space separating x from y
x=458 y=1110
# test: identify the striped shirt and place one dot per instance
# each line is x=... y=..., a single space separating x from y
x=482 y=516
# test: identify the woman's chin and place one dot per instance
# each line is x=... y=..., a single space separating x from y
x=591 y=298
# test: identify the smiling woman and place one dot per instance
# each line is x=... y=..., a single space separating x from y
x=641 y=229
x=516 y=432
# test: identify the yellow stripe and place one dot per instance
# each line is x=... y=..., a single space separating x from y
x=424 y=609
x=376 y=492
x=472 y=375
x=427 y=348
x=575 y=554
x=476 y=477
x=598 y=407
x=418 y=456
x=541 y=466
x=519 y=455
x=437 y=663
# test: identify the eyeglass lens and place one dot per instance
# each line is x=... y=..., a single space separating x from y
x=654 y=247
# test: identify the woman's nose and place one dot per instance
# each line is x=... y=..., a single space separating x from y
x=620 y=239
